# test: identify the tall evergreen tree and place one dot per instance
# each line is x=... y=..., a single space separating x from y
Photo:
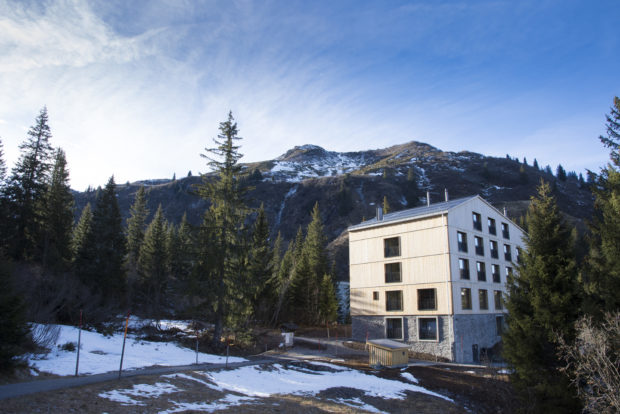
x=2 y=167
x=328 y=302
x=222 y=227
x=81 y=232
x=543 y=301
x=27 y=187
x=58 y=217
x=536 y=164
x=182 y=252
x=136 y=227
x=13 y=327
x=602 y=273
x=153 y=264
x=560 y=172
x=110 y=246
x=386 y=205
x=260 y=266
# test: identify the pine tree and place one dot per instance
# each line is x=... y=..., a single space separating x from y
x=282 y=280
x=328 y=302
x=108 y=275
x=58 y=217
x=26 y=190
x=5 y=225
x=136 y=227
x=81 y=232
x=153 y=264
x=560 y=173
x=222 y=227
x=386 y=205
x=602 y=273
x=543 y=301
x=182 y=252
x=2 y=167
x=13 y=327
x=536 y=164
x=260 y=265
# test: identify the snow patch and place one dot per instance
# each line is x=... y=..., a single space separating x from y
x=124 y=397
x=221 y=404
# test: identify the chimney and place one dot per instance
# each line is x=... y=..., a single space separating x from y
x=445 y=191
x=428 y=199
x=505 y=211
x=379 y=213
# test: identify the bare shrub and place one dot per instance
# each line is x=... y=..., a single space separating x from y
x=45 y=336
x=593 y=362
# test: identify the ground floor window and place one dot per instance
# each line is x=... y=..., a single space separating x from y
x=427 y=329
x=394 y=328
x=499 y=325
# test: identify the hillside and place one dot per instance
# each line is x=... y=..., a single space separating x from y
x=349 y=186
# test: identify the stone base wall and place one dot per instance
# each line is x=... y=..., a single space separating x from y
x=374 y=326
x=472 y=333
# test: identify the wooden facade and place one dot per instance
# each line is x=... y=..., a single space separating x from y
x=386 y=353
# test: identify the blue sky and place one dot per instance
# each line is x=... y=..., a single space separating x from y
x=137 y=89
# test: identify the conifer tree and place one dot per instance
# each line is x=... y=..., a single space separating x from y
x=536 y=164
x=26 y=190
x=560 y=173
x=328 y=302
x=13 y=327
x=2 y=167
x=58 y=217
x=260 y=265
x=108 y=275
x=136 y=227
x=282 y=280
x=543 y=301
x=182 y=252
x=222 y=227
x=386 y=205
x=153 y=264
x=602 y=273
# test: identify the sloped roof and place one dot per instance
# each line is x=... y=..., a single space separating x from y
x=412 y=213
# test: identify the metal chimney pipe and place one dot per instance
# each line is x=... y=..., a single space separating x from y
x=428 y=199
x=505 y=211
x=445 y=190
x=379 y=213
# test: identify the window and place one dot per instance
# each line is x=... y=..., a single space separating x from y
x=375 y=295
x=493 y=248
x=391 y=247
x=427 y=299
x=495 y=271
x=482 y=271
x=507 y=253
x=427 y=329
x=464 y=268
x=462 y=240
x=483 y=298
x=491 y=224
x=477 y=221
x=478 y=242
x=499 y=325
x=392 y=273
x=508 y=271
x=394 y=300
x=465 y=298
x=497 y=295
x=394 y=328
x=505 y=231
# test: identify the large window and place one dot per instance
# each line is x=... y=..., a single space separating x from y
x=507 y=253
x=479 y=243
x=477 y=221
x=394 y=300
x=493 y=248
x=491 y=224
x=464 y=268
x=505 y=231
x=375 y=295
x=483 y=298
x=481 y=269
x=392 y=273
x=427 y=329
x=496 y=275
x=465 y=298
x=391 y=247
x=427 y=299
x=497 y=295
x=462 y=241
x=394 y=328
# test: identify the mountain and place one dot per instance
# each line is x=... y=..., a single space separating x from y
x=349 y=186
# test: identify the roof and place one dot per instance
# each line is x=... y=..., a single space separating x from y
x=412 y=213
x=387 y=344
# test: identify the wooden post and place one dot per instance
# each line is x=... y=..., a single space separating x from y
x=227 y=350
x=77 y=362
x=120 y=369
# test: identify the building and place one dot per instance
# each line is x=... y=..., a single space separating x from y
x=433 y=277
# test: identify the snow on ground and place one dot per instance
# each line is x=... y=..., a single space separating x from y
x=99 y=354
x=252 y=383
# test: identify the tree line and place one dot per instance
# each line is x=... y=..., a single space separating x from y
x=563 y=323
x=226 y=270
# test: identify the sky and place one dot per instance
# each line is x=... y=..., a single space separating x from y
x=137 y=89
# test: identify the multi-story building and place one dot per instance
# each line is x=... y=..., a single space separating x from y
x=433 y=276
